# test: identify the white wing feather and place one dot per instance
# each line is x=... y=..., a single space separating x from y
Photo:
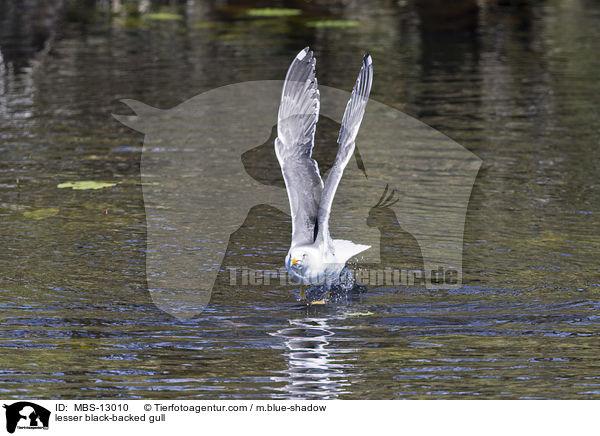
x=353 y=115
x=296 y=124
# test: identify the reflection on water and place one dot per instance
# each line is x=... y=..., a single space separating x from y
x=516 y=83
x=313 y=369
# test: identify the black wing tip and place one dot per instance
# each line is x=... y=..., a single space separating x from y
x=306 y=57
x=302 y=54
x=304 y=64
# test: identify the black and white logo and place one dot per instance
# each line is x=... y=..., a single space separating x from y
x=26 y=415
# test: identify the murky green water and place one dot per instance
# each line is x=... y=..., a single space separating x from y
x=515 y=84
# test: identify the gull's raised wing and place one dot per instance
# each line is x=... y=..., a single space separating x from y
x=353 y=115
x=296 y=124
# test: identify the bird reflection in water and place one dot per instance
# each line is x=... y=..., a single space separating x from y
x=313 y=370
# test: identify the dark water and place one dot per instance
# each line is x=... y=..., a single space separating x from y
x=516 y=83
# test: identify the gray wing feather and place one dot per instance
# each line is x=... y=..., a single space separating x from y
x=296 y=124
x=353 y=115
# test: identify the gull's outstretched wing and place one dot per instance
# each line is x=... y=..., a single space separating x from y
x=297 y=120
x=353 y=115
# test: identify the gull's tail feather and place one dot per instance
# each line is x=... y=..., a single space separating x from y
x=345 y=250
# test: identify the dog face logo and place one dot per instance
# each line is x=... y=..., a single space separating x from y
x=198 y=187
x=24 y=414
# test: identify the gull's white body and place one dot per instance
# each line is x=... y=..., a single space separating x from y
x=314 y=258
x=323 y=264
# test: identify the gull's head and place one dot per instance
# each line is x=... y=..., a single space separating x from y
x=301 y=262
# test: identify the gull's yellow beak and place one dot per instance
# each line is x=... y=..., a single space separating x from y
x=294 y=261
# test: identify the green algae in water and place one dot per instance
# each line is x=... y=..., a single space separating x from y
x=85 y=185
x=162 y=16
x=273 y=12
x=40 y=214
x=333 y=24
